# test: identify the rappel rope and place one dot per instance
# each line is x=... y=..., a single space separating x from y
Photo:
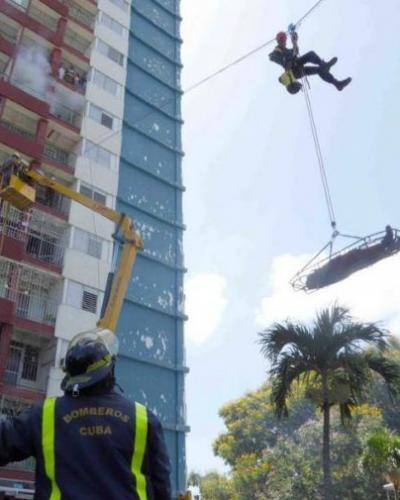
x=320 y=158
x=314 y=131
x=206 y=79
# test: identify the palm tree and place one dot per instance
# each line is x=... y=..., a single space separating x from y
x=335 y=359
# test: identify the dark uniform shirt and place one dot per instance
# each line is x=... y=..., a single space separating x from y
x=94 y=445
x=282 y=56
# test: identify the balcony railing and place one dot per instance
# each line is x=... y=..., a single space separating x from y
x=45 y=248
x=36 y=308
x=9 y=33
x=77 y=42
x=13 y=222
x=43 y=18
x=66 y=114
x=17 y=129
x=59 y=155
x=51 y=199
x=30 y=290
x=81 y=15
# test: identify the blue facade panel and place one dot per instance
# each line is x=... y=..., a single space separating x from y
x=151 y=364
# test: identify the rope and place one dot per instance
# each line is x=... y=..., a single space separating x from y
x=316 y=5
x=211 y=76
x=320 y=158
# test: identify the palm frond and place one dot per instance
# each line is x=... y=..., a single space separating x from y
x=288 y=369
x=387 y=368
x=275 y=339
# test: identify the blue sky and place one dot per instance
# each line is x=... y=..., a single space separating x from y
x=254 y=205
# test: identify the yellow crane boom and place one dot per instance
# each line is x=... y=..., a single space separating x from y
x=18 y=188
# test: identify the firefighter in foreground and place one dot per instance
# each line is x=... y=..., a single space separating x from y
x=92 y=443
x=298 y=66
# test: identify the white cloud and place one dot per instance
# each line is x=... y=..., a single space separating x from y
x=372 y=294
x=205 y=305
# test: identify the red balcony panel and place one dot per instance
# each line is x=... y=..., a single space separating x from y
x=44 y=265
x=32 y=326
x=6 y=311
x=51 y=211
x=59 y=7
x=19 y=392
x=17 y=475
x=26 y=100
x=28 y=22
x=17 y=142
x=6 y=47
x=12 y=248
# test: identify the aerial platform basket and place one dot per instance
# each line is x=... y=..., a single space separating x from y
x=324 y=270
x=18 y=193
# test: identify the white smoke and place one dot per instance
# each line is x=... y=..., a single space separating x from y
x=32 y=72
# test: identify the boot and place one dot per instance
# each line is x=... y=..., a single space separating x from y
x=340 y=85
x=328 y=64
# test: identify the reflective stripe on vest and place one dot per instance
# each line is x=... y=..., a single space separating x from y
x=141 y=427
x=48 y=431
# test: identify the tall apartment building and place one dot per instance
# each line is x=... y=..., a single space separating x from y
x=90 y=92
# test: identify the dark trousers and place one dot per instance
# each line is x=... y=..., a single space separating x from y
x=299 y=68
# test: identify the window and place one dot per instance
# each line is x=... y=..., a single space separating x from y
x=112 y=24
x=99 y=115
x=94 y=194
x=110 y=52
x=122 y=4
x=22 y=364
x=82 y=297
x=88 y=243
x=100 y=155
x=106 y=83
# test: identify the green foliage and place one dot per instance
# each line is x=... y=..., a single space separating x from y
x=214 y=486
x=381 y=455
x=252 y=425
x=272 y=458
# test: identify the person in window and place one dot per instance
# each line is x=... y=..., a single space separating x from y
x=91 y=443
x=299 y=66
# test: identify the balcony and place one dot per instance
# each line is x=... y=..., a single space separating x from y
x=74 y=77
x=49 y=198
x=30 y=290
x=75 y=41
x=8 y=32
x=58 y=155
x=81 y=15
x=23 y=132
x=66 y=114
x=43 y=18
x=42 y=238
x=38 y=308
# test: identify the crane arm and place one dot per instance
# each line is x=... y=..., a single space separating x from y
x=125 y=234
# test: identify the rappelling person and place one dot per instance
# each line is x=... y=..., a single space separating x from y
x=91 y=443
x=298 y=66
